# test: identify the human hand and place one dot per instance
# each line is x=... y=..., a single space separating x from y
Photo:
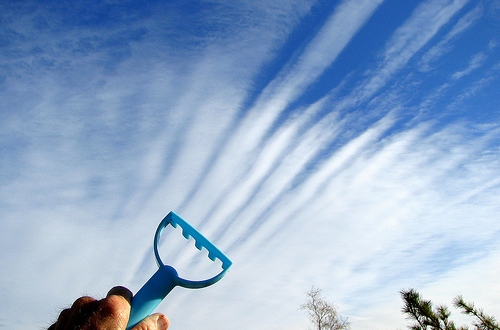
x=110 y=313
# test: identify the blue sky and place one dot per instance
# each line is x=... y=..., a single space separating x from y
x=349 y=145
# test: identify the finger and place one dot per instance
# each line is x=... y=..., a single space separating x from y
x=77 y=314
x=81 y=312
x=62 y=320
x=153 y=322
x=114 y=311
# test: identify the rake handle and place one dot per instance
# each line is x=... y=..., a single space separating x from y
x=151 y=294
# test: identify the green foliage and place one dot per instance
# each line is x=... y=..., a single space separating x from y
x=482 y=321
x=425 y=317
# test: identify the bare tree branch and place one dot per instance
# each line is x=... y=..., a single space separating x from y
x=323 y=314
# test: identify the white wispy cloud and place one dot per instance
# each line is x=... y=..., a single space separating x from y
x=328 y=43
x=476 y=61
x=408 y=39
x=445 y=45
x=317 y=56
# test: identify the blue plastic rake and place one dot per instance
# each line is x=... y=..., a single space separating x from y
x=166 y=277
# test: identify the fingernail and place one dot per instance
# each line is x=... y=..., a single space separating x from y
x=121 y=291
x=162 y=322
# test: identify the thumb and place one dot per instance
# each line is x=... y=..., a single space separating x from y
x=153 y=322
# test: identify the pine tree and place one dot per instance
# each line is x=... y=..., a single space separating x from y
x=426 y=317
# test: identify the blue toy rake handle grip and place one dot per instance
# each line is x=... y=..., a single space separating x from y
x=151 y=294
x=157 y=288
